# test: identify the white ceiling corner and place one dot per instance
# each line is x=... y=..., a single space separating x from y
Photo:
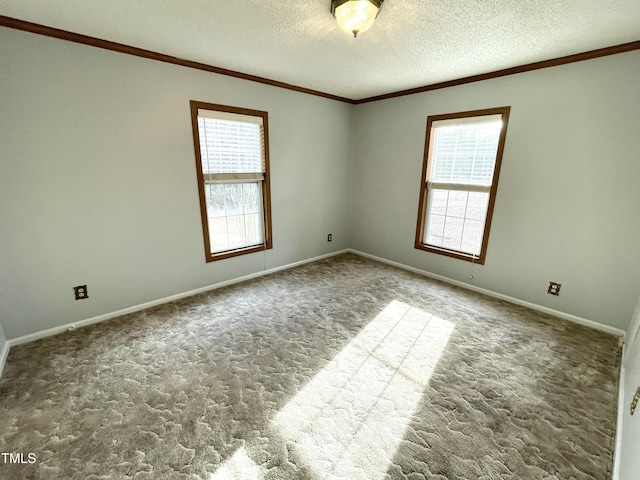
x=411 y=44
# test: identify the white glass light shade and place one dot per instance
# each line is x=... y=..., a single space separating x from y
x=356 y=16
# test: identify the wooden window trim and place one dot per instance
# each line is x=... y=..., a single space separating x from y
x=424 y=189
x=265 y=182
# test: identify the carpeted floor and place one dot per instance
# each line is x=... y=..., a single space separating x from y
x=339 y=369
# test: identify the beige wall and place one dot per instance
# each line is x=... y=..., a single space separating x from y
x=568 y=200
x=98 y=181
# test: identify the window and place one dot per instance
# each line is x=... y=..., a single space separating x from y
x=462 y=157
x=232 y=162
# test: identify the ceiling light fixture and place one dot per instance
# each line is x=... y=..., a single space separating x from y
x=355 y=16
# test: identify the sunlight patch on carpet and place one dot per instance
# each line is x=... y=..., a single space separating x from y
x=350 y=418
x=238 y=467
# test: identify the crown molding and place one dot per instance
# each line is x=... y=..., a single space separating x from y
x=44 y=30
x=38 y=29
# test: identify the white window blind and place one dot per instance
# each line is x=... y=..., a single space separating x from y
x=465 y=154
x=231 y=147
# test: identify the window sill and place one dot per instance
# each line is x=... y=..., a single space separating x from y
x=467 y=257
x=213 y=257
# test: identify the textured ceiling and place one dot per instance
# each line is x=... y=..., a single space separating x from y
x=411 y=44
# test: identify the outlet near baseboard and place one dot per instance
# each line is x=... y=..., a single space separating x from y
x=554 y=288
x=81 y=292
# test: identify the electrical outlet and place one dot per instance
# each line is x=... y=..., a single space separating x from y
x=554 y=288
x=329 y=237
x=81 y=292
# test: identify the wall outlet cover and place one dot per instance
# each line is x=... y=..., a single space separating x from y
x=554 y=288
x=81 y=292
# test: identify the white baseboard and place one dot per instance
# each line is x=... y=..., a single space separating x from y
x=143 y=306
x=566 y=316
x=3 y=356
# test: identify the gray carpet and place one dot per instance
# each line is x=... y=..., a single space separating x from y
x=339 y=369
